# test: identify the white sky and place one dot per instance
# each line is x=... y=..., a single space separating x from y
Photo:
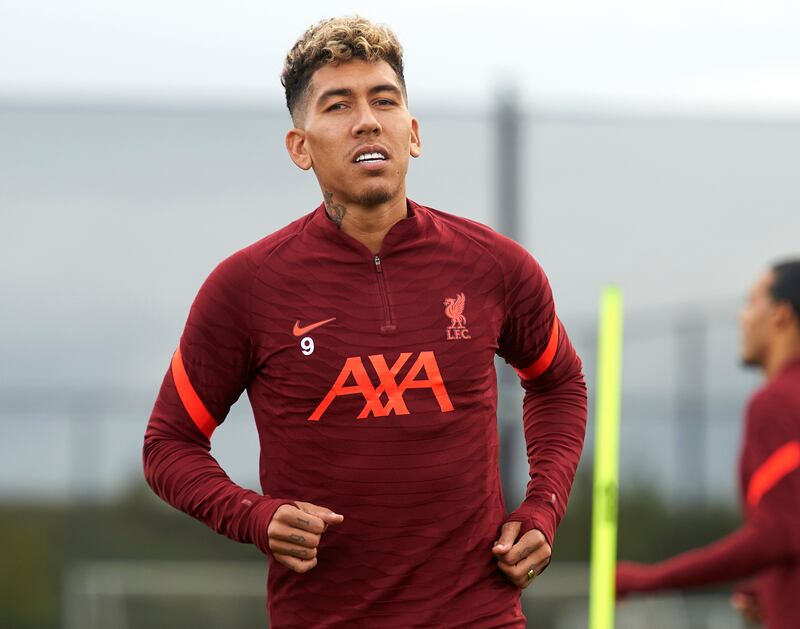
x=727 y=55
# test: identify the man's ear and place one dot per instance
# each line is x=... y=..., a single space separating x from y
x=784 y=314
x=416 y=142
x=296 y=145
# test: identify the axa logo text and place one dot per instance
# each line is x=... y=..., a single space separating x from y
x=387 y=387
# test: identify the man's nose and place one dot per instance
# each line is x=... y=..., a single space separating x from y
x=366 y=123
x=742 y=318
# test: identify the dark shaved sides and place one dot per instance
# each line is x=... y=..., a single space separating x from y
x=786 y=286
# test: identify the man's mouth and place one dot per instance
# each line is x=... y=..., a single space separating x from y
x=370 y=157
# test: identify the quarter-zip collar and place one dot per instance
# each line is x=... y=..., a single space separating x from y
x=406 y=232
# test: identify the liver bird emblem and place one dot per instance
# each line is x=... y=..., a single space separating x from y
x=454 y=308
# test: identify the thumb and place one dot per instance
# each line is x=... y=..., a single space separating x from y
x=323 y=513
x=508 y=534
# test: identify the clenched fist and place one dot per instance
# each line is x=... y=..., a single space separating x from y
x=516 y=560
x=294 y=534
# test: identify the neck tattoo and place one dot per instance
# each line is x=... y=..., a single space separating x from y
x=336 y=211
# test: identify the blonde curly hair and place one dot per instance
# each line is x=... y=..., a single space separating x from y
x=337 y=40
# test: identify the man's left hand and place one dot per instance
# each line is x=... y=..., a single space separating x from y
x=516 y=558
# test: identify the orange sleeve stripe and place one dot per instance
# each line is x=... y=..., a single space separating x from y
x=784 y=460
x=191 y=401
x=546 y=359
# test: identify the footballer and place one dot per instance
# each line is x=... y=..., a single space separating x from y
x=364 y=333
x=764 y=554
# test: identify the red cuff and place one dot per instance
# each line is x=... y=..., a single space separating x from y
x=536 y=513
x=633 y=577
x=261 y=514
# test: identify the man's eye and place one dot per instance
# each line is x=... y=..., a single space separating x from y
x=335 y=107
x=384 y=101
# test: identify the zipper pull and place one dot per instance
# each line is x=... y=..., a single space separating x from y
x=378 y=265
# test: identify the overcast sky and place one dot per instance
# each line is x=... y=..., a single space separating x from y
x=728 y=55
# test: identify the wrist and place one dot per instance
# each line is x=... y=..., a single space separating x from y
x=536 y=513
x=261 y=513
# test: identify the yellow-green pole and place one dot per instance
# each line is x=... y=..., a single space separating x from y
x=606 y=455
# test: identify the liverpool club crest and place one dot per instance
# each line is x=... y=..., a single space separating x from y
x=454 y=310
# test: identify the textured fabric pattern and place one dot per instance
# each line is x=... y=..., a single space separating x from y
x=385 y=413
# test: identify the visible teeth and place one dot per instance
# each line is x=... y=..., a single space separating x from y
x=366 y=156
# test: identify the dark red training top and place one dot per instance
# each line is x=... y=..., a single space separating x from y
x=768 y=545
x=372 y=383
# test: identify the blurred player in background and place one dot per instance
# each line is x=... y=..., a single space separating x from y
x=364 y=334
x=767 y=548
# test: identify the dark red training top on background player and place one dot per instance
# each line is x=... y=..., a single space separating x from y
x=767 y=547
x=364 y=334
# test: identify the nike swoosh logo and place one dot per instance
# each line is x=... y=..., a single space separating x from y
x=298 y=331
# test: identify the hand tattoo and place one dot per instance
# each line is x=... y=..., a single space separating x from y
x=298 y=553
x=297 y=538
x=302 y=521
x=336 y=211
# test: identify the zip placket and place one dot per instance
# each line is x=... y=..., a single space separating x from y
x=388 y=326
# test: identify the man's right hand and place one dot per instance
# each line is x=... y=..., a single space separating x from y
x=294 y=534
x=745 y=601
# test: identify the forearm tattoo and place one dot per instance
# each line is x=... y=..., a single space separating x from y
x=335 y=210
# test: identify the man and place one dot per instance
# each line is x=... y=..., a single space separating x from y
x=364 y=334
x=767 y=547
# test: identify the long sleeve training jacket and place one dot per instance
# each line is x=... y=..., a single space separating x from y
x=373 y=389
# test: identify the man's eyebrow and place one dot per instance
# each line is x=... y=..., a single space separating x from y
x=385 y=87
x=340 y=91
x=346 y=91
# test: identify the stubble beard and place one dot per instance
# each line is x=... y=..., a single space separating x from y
x=751 y=359
x=372 y=195
x=749 y=362
x=375 y=193
x=371 y=198
x=337 y=210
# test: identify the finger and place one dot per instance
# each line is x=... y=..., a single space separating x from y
x=539 y=566
x=739 y=602
x=297 y=518
x=746 y=605
x=292 y=535
x=297 y=565
x=516 y=576
x=509 y=572
x=508 y=534
x=530 y=543
x=531 y=573
x=519 y=573
x=323 y=513
x=292 y=550
x=506 y=570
